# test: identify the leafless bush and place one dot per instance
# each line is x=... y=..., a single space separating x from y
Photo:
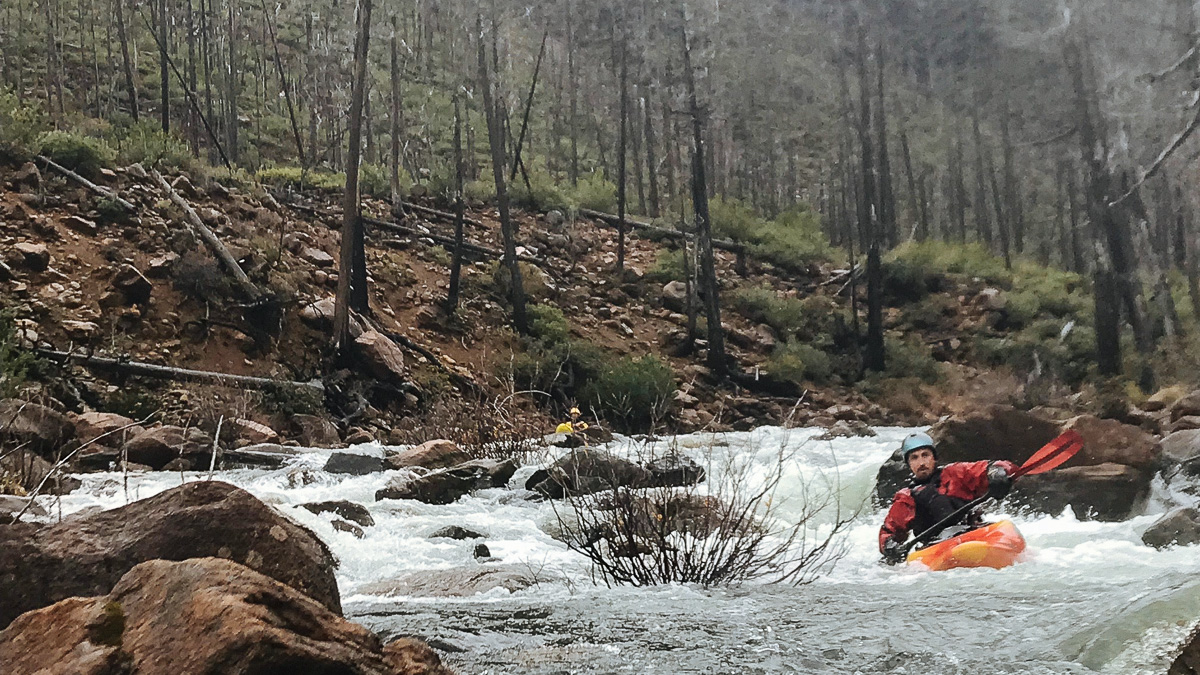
x=725 y=531
x=492 y=428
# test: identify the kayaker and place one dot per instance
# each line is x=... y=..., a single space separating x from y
x=936 y=492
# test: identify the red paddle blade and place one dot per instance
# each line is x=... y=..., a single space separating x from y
x=1052 y=454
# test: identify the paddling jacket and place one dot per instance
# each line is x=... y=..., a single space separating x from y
x=922 y=505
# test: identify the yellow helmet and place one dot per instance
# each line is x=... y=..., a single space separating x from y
x=575 y=411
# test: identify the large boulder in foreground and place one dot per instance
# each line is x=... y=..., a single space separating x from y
x=206 y=615
x=448 y=485
x=1178 y=527
x=86 y=556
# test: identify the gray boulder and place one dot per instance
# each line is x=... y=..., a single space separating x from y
x=674 y=471
x=1179 y=527
x=348 y=510
x=43 y=429
x=587 y=471
x=448 y=485
x=1179 y=446
x=355 y=465
x=1106 y=492
x=455 y=532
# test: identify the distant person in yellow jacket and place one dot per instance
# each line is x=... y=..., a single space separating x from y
x=574 y=425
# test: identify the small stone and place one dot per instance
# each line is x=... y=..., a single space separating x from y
x=27 y=176
x=317 y=257
x=81 y=330
x=482 y=551
x=455 y=532
x=343 y=526
x=357 y=436
x=80 y=224
x=160 y=266
x=132 y=284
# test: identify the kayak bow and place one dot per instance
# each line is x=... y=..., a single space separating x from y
x=996 y=545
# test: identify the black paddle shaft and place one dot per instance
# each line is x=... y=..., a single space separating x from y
x=937 y=527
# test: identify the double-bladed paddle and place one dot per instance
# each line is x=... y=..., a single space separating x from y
x=1051 y=455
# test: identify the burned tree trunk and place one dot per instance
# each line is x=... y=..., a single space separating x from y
x=456 y=262
x=707 y=272
x=516 y=291
x=352 y=226
x=874 y=356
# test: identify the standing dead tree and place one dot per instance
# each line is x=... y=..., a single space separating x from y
x=353 y=246
x=707 y=271
x=516 y=289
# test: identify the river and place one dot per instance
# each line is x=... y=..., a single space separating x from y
x=1089 y=598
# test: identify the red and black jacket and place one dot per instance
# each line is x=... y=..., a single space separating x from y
x=922 y=505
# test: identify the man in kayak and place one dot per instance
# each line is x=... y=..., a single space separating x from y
x=936 y=492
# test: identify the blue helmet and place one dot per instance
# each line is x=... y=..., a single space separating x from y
x=916 y=441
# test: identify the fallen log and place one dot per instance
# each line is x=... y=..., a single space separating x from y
x=724 y=244
x=440 y=215
x=169 y=373
x=98 y=189
x=470 y=247
x=214 y=244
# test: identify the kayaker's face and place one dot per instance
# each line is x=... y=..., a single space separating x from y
x=922 y=463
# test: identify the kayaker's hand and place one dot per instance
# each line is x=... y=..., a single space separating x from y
x=999 y=482
x=893 y=552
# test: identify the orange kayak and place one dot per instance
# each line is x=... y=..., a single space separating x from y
x=996 y=545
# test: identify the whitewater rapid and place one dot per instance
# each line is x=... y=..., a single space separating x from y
x=1090 y=597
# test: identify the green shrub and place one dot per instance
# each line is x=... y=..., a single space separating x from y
x=15 y=362
x=82 y=154
x=479 y=191
x=930 y=313
x=632 y=393
x=374 y=180
x=905 y=281
x=287 y=400
x=547 y=323
x=20 y=126
x=544 y=196
x=1069 y=358
x=557 y=369
x=668 y=266
x=595 y=193
x=938 y=257
x=798 y=361
x=763 y=305
x=297 y=178
x=793 y=241
x=905 y=358
x=145 y=143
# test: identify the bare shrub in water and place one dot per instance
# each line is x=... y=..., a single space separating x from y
x=729 y=529
x=496 y=428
